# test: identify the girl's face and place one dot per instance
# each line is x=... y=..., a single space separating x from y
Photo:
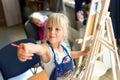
x=54 y=34
x=37 y=22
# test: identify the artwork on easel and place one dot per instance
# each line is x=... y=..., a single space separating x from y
x=101 y=23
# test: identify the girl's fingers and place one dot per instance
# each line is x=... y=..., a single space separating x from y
x=22 y=59
x=29 y=58
x=24 y=55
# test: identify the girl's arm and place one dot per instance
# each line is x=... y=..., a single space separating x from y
x=77 y=54
x=26 y=53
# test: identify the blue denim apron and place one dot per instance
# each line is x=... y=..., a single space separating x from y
x=64 y=68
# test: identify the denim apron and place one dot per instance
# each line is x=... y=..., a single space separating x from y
x=64 y=68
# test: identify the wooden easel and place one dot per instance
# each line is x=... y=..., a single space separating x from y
x=103 y=24
x=110 y=44
x=90 y=29
x=91 y=26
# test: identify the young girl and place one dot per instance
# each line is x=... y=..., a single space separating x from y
x=39 y=21
x=55 y=56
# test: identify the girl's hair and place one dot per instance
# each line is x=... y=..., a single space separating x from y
x=37 y=15
x=60 y=20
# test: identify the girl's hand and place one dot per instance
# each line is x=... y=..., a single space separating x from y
x=26 y=53
x=87 y=49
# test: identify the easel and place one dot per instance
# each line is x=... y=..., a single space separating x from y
x=98 y=41
x=91 y=26
x=103 y=24
x=90 y=29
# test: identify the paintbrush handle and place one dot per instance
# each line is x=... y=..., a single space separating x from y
x=18 y=46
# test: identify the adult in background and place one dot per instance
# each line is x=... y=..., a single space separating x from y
x=79 y=12
x=115 y=16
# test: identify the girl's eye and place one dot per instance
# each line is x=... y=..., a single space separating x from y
x=37 y=23
x=49 y=28
x=57 y=29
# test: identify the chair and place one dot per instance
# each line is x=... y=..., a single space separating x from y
x=31 y=30
x=10 y=66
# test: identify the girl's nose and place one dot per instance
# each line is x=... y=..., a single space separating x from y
x=52 y=30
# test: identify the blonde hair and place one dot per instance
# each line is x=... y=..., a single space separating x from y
x=58 y=19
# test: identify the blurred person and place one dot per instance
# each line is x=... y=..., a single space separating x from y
x=81 y=10
x=115 y=16
x=39 y=22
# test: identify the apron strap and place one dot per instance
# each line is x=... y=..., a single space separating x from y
x=54 y=52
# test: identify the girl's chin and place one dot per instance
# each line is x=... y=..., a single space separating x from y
x=39 y=25
x=52 y=41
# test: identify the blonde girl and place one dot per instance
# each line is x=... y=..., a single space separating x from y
x=55 y=56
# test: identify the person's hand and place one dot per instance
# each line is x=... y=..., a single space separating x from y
x=26 y=52
x=87 y=49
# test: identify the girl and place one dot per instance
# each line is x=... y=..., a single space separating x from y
x=55 y=56
x=39 y=22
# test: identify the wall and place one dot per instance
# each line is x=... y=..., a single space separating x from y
x=12 y=12
x=70 y=12
x=2 y=18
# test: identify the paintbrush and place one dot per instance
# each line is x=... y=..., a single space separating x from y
x=18 y=46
